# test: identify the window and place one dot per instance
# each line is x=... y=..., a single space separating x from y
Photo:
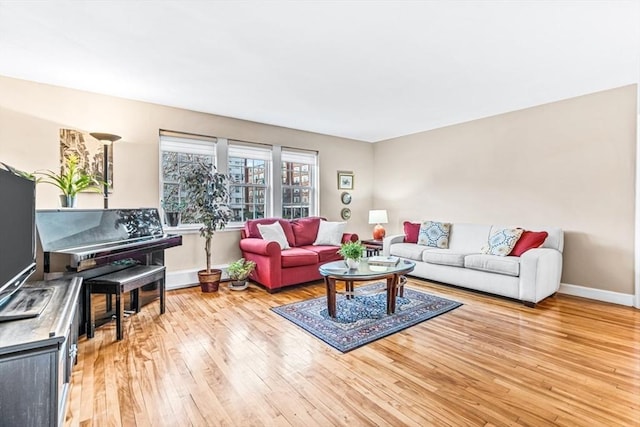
x=298 y=183
x=249 y=168
x=177 y=155
x=266 y=180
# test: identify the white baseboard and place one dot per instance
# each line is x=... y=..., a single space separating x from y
x=597 y=294
x=187 y=278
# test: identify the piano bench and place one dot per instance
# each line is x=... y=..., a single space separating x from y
x=128 y=280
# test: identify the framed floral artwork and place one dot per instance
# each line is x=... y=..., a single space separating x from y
x=345 y=180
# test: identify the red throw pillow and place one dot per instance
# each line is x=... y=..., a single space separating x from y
x=529 y=240
x=305 y=230
x=411 y=231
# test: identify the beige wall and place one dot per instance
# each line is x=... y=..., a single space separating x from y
x=31 y=115
x=569 y=164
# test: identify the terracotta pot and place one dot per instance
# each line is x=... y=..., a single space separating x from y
x=209 y=282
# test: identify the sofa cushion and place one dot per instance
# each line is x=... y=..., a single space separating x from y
x=444 y=257
x=493 y=264
x=529 y=240
x=325 y=253
x=305 y=230
x=407 y=250
x=502 y=241
x=411 y=231
x=296 y=257
x=274 y=233
x=330 y=233
x=434 y=234
x=251 y=228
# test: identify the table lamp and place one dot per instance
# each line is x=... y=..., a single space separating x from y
x=378 y=217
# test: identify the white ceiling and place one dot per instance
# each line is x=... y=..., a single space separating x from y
x=368 y=70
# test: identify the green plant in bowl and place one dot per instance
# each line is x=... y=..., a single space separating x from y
x=238 y=272
x=352 y=252
x=240 y=269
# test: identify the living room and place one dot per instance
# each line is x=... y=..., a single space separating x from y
x=568 y=162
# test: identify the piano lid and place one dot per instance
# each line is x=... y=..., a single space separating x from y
x=63 y=230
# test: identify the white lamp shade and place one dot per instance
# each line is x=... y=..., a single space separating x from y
x=378 y=216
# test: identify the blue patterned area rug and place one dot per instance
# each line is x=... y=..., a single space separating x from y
x=364 y=319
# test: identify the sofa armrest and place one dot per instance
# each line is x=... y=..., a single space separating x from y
x=390 y=240
x=540 y=273
x=350 y=237
x=260 y=247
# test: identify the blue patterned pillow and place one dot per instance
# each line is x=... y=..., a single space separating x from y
x=434 y=234
x=501 y=242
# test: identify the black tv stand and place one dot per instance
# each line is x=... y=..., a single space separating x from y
x=36 y=358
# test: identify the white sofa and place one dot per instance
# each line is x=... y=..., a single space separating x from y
x=529 y=278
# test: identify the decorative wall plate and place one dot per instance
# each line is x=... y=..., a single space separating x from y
x=345 y=213
x=346 y=198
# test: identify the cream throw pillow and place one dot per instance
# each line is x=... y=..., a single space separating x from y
x=501 y=242
x=274 y=233
x=330 y=233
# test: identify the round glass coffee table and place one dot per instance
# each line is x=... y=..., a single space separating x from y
x=338 y=270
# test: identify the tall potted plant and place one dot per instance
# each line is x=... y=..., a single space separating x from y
x=70 y=181
x=208 y=193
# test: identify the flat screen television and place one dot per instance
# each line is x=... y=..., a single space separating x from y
x=17 y=232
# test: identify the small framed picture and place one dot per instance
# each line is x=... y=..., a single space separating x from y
x=345 y=180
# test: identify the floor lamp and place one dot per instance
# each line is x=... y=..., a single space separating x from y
x=107 y=139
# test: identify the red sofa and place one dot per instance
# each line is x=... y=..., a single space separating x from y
x=277 y=268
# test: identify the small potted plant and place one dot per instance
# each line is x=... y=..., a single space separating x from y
x=173 y=208
x=238 y=272
x=208 y=194
x=71 y=180
x=352 y=252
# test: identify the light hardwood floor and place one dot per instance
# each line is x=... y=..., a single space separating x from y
x=226 y=359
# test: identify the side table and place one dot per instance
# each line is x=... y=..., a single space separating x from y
x=373 y=247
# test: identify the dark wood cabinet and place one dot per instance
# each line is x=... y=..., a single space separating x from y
x=36 y=359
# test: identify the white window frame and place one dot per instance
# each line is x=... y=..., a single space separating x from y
x=239 y=149
x=189 y=144
x=304 y=157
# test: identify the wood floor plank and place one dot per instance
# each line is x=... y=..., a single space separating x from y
x=226 y=359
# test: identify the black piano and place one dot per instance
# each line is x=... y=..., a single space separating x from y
x=95 y=242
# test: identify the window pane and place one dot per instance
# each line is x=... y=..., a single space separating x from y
x=250 y=185
x=296 y=174
x=247 y=202
x=297 y=189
